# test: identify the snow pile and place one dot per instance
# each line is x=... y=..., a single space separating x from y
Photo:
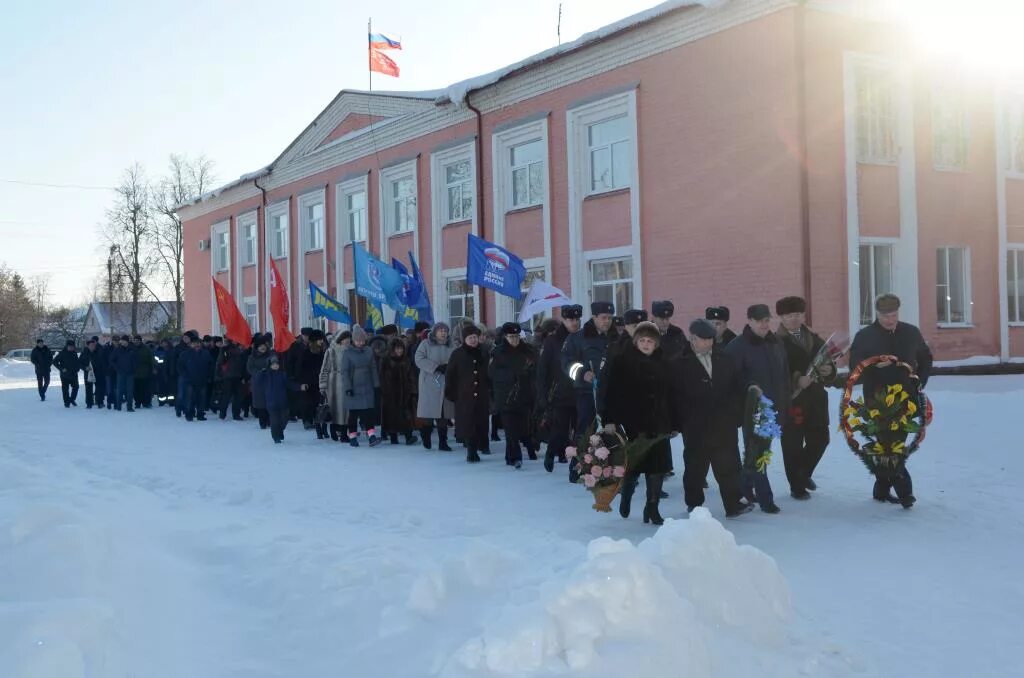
x=457 y=92
x=17 y=372
x=689 y=598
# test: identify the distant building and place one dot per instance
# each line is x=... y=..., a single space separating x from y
x=102 y=318
x=713 y=156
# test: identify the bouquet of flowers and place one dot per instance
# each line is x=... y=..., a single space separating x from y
x=760 y=426
x=887 y=427
x=603 y=459
x=834 y=348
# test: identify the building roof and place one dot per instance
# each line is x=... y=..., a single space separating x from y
x=152 y=316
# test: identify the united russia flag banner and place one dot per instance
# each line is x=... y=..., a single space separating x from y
x=494 y=267
x=375 y=280
x=541 y=297
x=327 y=306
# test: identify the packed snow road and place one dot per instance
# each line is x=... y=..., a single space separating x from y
x=139 y=545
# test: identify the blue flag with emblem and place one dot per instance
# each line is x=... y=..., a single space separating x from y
x=423 y=308
x=374 y=317
x=375 y=280
x=324 y=305
x=407 y=315
x=494 y=267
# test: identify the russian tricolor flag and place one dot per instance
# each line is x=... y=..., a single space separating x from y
x=384 y=41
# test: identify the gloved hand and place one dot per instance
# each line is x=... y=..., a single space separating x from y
x=350 y=392
x=441 y=369
x=609 y=428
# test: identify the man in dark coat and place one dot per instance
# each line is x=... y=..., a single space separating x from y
x=195 y=367
x=398 y=394
x=630 y=320
x=718 y=316
x=556 y=398
x=805 y=433
x=107 y=348
x=124 y=362
x=293 y=367
x=467 y=385
x=42 y=359
x=710 y=401
x=94 y=369
x=145 y=368
x=311 y=359
x=512 y=371
x=67 y=362
x=888 y=336
x=673 y=340
x=762 y=365
x=231 y=369
x=583 y=356
x=176 y=375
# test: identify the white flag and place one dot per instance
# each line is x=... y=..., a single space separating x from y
x=542 y=297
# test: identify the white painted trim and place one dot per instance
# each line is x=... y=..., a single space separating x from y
x=305 y=201
x=273 y=210
x=341 y=235
x=907 y=249
x=225 y=228
x=438 y=221
x=1002 y=163
x=852 y=205
x=968 y=298
x=242 y=220
x=577 y=120
x=387 y=176
x=460 y=272
x=501 y=185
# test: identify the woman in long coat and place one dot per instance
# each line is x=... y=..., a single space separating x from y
x=468 y=386
x=331 y=387
x=361 y=380
x=512 y=370
x=432 y=357
x=640 y=398
x=398 y=393
x=259 y=360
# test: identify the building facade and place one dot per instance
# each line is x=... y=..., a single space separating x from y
x=713 y=156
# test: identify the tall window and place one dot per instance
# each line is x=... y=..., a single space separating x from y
x=532 y=274
x=609 y=145
x=952 y=297
x=1015 y=123
x=314 y=215
x=876 y=115
x=612 y=280
x=527 y=162
x=221 y=248
x=249 y=311
x=460 y=299
x=403 y=205
x=949 y=128
x=279 y=235
x=875 y=278
x=459 y=182
x=248 y=244
x=1015 y=284
x=355 y=209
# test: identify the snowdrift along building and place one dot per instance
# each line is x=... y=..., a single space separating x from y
x=722 y=155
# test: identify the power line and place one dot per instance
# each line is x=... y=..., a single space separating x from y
x=39 y=184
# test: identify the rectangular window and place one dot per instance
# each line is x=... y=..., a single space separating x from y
x=876 y=277
x=532 y=274
x=403 y=205
x=249 y=311
x=612 y=280
x=248 y=244
x=459 y=182
x=952 y=298
x=527 y=161
x=355 y=209
x=876 y=115
x=221 y=247
x=279 y=235
x=1015 y=125
x=949 y=128
x=609 y=144
x=314 y=215
x=460 y=299
x=1015 y=284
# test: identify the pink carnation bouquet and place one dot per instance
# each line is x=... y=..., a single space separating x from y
x=603 y=459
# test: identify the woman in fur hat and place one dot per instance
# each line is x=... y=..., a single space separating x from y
x=432 y=357
x=468 y=386
x=361 y=381
x=398 y=392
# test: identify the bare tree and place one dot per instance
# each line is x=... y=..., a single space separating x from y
x=129 y=230
x=186 y=180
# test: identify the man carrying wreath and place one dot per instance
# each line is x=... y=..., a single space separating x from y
x=888 y=336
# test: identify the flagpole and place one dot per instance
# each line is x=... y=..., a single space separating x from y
x=369 y=59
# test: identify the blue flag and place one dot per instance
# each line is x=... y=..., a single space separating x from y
x=494 y=267
x=327 y=306
x=375 y=280
x=374 y=316
x=425 y=311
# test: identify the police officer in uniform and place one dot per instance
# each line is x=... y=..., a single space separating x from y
x=673 y=340
x=556 y=397
x=718 y=316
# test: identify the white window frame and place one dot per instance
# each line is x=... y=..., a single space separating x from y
x=342 y=235
x=949 y=103
x=439 y=216
x=221 y=228
x=531 y=201
x=245 y=222
x=460 y=214
x=1014 y=284
x=253 y=319
x=305 y=202
x=606 y=256
x=274 y=211
x=532 y=266
x=872 y=145
x=388 y=176
x=1014 y=116
x=221 y=250
x=314 y=232
x=460 y=274
x=894 y=264
x=967 y=303
x=629 y=139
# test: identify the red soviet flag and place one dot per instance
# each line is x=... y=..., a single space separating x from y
x=382 y=63
x=283 y=338
x=235 y=327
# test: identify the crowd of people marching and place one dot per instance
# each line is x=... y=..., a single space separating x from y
x=638 y=374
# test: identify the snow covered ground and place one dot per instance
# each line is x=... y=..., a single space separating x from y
x=139 y=545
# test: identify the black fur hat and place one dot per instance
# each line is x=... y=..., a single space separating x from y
x=790 y=305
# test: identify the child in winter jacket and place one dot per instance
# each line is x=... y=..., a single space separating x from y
x=273 y=384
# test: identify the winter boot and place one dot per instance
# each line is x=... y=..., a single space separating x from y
x=442 y=441
x=425 y=434
x=651 y=514
x=353 y=439
x=882 y=492
x=810 y=485
x=334 y=431
x=549 y=461
x=394 y=438
x=410 y=439
x=626 y=494
x=471 y=456
x=372 y=435
x=531 y=453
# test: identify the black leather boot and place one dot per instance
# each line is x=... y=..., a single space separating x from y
x=442 y=440
x=426 y=433
x=626 y=494
x=651 y=514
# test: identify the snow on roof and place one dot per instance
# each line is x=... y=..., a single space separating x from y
x=457 y=92
x=152 y=315
x=244 y=179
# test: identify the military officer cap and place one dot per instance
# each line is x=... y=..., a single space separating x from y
x=572 y=312
x=662 y=309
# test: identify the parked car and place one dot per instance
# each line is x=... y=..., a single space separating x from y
x=19 y=354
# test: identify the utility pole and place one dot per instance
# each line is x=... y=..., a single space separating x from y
x=559 y=29
x=110 y=289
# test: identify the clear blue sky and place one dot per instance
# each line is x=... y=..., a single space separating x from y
x=90 y=87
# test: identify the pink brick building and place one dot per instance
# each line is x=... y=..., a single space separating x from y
x=730 y=155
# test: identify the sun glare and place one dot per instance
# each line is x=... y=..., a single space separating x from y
x=980 y=34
